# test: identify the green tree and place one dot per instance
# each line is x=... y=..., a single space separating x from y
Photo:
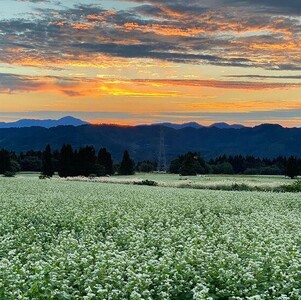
x=190 y=165
x=292 y=168
x=31 y=163
x=223 y=168
x=66 y=162
x=146 y=166
x=47 y=167
x=5 y=161
x=175 y=165
x=15 y=166
x=86 y=161
x=127 y=165
x=104 y=160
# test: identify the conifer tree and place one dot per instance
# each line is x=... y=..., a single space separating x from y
x=127 y=166
x=47 y=167
x=66 y=162
x=5 y=161
x=86 y=161
x=292 y=168
x=105 y=161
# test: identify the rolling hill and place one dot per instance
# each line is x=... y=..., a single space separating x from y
x=143 y=141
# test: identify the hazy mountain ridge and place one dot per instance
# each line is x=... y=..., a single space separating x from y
x=143 y=142
x=221 y=125
x=48 y=123
x=69 y=120
x=180 y=126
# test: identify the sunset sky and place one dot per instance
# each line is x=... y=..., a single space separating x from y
x=139 y=62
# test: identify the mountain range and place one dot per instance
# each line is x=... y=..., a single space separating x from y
x=143 y=142
x=196 y=125
x=69 y=120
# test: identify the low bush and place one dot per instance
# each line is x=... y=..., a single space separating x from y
x=291 y=188
x=9 y=174
x=42 y=176
x=146 y=182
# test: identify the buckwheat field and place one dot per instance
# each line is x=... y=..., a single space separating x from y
x=91 y=240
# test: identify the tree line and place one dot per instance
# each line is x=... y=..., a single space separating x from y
x=192 y=164
x=86 y=161
x=66 y=162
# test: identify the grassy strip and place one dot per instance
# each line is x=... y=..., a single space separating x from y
x=291 y=188
x=294 y=187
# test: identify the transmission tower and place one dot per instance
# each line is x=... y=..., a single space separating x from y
x=162 y=156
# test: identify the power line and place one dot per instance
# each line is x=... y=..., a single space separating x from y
x=162 y=155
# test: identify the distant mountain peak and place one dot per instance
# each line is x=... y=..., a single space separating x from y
x=179 y=126
x=47 y=123
x=224 y=125
x=269 y=125
x=220 y=125
x=67 y=118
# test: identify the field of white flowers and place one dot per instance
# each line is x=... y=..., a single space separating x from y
x=86 y=240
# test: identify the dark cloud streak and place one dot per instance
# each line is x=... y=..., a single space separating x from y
x=297 y=77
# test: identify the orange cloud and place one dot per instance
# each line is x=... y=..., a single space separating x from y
x=81 y=26
x=115 y=90
x=154 y=88
x=240 y=106
x=240 y=85
x=103 y=16
x=164 y=30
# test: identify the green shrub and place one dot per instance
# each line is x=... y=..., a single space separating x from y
x=240 y=187
x=42 y=176
x=9 y=174
x=292 y=188
x=146 y=182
